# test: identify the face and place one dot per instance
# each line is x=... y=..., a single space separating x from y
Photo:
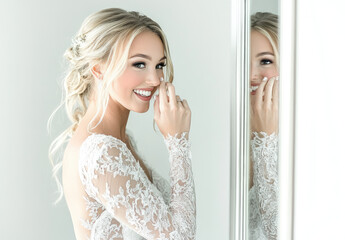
x=263 y=60
x=136 y=86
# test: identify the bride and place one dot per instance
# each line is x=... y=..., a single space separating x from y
x=118 y=60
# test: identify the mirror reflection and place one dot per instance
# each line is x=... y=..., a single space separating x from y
x=264 y=93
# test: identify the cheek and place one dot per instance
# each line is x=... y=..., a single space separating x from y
x=129 y=80
x=269 y=72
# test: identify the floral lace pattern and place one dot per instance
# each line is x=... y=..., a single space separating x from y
x=121 y=201
x=263 y=206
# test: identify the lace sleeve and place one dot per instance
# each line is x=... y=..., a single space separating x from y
x=117 y=181
x=265 y=156
x=162 y=185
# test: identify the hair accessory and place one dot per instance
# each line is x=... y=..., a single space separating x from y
x=79 y=40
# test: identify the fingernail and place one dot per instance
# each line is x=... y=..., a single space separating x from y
x=277 y=78
x=154 y=97
x=265 y=79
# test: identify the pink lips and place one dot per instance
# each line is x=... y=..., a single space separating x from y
x=145 y=89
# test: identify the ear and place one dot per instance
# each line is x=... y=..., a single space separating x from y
x=97 y=72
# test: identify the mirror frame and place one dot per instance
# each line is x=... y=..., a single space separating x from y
x=239 y=125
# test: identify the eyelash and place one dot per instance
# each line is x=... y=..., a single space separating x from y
x=264 y=62
x=137 y=65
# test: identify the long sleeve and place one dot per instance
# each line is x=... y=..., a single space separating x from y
x=117 y=181
x=264 y=193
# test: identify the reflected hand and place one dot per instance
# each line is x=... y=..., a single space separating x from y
x=171 y=115
x=264 y=114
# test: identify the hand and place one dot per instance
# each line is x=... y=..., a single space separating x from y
x=171 y=115
x=264 y=114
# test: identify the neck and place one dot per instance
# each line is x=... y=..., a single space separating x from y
x=114 y=121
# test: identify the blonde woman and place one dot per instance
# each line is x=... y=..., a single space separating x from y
x=117 y=62
x=263 y=193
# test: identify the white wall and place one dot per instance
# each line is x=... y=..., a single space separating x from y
x=34 y=35
x=264 y=6
x=320 y=118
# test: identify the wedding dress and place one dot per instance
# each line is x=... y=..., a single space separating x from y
x=263 y=206
x=122 y=203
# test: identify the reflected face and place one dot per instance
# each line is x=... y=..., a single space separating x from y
x=262 y=60
x=136 y=86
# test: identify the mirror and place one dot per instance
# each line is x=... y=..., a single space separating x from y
x=264 y=120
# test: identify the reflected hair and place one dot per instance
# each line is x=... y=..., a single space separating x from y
x=267 y=24
x=104 y=38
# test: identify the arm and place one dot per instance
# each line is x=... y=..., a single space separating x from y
x=265 y=159
x=122 y=187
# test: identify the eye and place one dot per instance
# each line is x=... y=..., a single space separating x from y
x=140 y=65
x=160 y=66
x=265 y=62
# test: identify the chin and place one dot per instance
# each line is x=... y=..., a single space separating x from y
x=141 y=109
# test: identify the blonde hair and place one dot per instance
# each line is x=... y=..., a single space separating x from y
x=267 y=24
x=105 y=38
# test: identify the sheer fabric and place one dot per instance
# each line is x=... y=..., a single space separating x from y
x=121 y=201
x=263 y=206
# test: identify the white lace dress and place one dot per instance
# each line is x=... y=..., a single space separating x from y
x=122 y=203
x=263 y=206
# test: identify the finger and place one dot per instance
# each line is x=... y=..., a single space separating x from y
x=252 y=101
x=268 y=90
x=276 y=92
x=185 y=104
x=156 y=108
x=260 y=91
x=172 y=96
x=178 y=99
x=162 y=95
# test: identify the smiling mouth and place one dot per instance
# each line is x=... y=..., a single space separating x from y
x=253 y=88
x=143 y=93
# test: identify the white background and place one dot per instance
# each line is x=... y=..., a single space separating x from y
x=320 y=119
x=34 y=35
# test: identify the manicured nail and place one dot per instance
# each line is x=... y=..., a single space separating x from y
x=265 y=79
x=277 y=78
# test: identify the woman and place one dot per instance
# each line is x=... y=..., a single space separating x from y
x=116 y=64
x=263 y=191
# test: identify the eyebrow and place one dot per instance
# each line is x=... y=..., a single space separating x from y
x=146 y=56
x=264 y=53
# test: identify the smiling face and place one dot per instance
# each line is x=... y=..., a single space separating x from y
x=263 y=60
x=135 y=87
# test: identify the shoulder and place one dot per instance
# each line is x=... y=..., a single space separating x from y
x=101 y=155
x=102 y=144
x=100 y=149
x=103 y=152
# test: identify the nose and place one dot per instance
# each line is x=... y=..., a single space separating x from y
x=254 y=74
x=153 y=79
